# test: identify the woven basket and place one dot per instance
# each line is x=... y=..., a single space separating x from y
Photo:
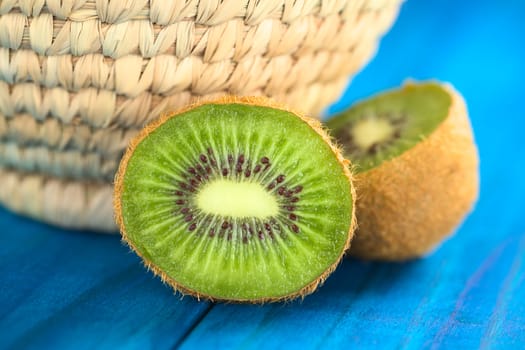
x=79 y=78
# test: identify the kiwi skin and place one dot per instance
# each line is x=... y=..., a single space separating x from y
x=407 y=205
x=252 y=101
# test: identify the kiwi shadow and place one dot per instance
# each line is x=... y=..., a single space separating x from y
x=356 y=279
x=356 y=276
x=348 y=293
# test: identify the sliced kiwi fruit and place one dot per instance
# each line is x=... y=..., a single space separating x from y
x=237 y=200
x=416 y=168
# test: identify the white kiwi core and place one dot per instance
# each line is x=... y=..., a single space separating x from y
x=237 y=199
x=370 y=131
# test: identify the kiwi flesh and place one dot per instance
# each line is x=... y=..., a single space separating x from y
x=236 y=200
x=416 y=168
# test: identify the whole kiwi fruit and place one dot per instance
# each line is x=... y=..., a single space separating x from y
x=237 y=200
x=416 y=166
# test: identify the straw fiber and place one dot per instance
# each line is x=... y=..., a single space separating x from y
x=80 y=78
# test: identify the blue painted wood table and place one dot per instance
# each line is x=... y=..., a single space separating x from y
x=78 y=290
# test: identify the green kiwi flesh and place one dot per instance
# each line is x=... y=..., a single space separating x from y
x=383 y=127
x=234 y=201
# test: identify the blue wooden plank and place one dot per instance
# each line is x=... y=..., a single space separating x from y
x=60 y=289
x=470 y=293
x=506 y=325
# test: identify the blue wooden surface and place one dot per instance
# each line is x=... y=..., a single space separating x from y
x=63 y=289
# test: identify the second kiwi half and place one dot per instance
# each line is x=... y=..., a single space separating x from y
x=416 y=167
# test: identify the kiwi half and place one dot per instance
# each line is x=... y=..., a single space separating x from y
x=237 y=200
x=416 y=168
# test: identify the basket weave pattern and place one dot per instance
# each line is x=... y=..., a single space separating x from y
x=79 y=78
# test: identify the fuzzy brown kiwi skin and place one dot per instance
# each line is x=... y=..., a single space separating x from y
x=252 y=101
x=408 y=205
